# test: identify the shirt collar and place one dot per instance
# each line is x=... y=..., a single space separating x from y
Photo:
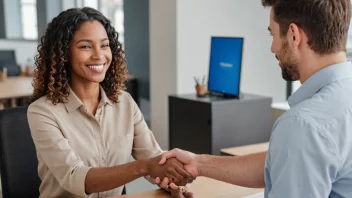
x=73 y=102
x=104 y=98
x=319 y=80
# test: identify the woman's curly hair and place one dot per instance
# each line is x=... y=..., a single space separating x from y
x=52 y=72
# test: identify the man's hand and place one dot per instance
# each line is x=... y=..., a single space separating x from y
x=185 y=157
x=172 y=169
x=181 y=192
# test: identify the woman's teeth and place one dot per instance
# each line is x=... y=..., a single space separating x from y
x=97 y=68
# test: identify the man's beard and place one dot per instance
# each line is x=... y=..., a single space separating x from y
x=289 y=62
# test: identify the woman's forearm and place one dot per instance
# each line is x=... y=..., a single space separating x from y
x=104 y=179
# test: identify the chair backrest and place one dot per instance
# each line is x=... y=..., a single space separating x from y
x=8 y=61
x=7 y=55
x=18 y=163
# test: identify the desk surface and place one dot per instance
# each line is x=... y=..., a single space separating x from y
x=245 y=150
x=202 y=187
x=14 y=87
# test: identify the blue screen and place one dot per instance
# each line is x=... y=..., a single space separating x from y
x=225 y=65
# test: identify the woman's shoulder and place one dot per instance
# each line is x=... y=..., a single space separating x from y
x=125 y=101
x=39 y=102
x=42 y=104
x=125 y=97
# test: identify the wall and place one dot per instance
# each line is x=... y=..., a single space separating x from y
x=136 y=21
x=24 y=49
x=196 y=21
x=162 y=17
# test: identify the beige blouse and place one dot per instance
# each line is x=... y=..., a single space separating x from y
x=69 y=141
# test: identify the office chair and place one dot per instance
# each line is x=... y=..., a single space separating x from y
x=8 y=60
x=18 y=163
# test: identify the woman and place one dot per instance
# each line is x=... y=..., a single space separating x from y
x=84 y=126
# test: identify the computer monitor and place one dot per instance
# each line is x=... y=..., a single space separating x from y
x=225 y=66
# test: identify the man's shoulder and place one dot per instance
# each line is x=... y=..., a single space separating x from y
x=296 y=128
x=296 y=117
x=301 y=127
x=294 y=120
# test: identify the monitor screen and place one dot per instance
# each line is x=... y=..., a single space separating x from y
x=225 y=65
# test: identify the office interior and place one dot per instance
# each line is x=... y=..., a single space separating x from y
x=167 y=43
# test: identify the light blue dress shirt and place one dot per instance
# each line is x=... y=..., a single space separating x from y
x=310 y=152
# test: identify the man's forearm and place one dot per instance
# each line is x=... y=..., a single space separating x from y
x=103 y=179
x=245 y=170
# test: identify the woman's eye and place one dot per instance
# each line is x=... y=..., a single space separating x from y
x=84 y=47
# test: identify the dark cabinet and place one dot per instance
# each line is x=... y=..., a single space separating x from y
x=205 y=125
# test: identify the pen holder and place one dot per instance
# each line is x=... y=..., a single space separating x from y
x=201 y=90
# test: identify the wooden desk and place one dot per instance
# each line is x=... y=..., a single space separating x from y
x=16 y=87
x=202 y=187
x=245 y=150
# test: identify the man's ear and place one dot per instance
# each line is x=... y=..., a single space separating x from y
x=294 y=34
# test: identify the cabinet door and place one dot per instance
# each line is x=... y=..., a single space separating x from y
x=190 y=125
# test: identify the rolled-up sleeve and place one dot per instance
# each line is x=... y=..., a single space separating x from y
x=55 y=150
x=301 y=161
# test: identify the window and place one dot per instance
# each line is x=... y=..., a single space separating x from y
x=91 y=3
x=29 y=19
x=113 y=10
x=66 y=4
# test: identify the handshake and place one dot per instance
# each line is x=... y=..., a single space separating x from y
x=173 y=169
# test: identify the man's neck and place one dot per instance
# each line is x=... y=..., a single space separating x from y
x=312 y=64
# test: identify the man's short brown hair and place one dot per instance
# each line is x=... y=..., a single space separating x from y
x=325 y=22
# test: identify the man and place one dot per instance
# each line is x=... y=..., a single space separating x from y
x=310 y=152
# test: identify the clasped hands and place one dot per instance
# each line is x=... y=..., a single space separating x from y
x=175 y=168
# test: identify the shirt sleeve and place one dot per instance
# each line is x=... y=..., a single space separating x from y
x=302 y=162
x=54 y=149
x=144 y=143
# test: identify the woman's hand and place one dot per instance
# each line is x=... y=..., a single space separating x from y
x=181 y=192
x=172 y=169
